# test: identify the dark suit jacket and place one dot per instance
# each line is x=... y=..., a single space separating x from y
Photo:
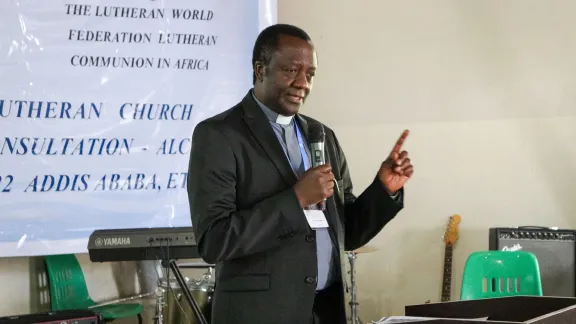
x=247 y=219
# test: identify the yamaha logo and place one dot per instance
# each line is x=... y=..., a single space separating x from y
x=113 y=241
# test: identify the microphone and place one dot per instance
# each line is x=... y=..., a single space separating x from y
x=316 y=137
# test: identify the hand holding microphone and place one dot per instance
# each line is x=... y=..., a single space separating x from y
x=317 y=183
x=315 y=186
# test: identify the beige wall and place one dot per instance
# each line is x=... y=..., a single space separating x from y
x=487 y=89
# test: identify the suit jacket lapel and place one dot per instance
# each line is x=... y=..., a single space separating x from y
x=303 y=123
x=264 y=134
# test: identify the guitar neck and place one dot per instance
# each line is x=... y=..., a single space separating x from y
x=447 y=274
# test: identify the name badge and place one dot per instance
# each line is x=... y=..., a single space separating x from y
x=316 y=218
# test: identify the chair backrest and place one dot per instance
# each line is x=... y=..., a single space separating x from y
x=67 y=284
x=489 y=274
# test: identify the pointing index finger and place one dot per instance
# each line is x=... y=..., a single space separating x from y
x=398 y=146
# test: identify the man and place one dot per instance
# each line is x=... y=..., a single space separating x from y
x=252 y=192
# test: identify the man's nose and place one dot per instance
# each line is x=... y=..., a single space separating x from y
x=301 y=81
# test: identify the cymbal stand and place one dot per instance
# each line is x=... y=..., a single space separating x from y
x=159 y=316
x=353 y=297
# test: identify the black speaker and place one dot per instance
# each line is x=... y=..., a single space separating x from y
x=555 y=250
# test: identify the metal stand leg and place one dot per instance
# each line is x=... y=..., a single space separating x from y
x=159 y=317
x=353 y=301
x=171 y=265
x=185 y=291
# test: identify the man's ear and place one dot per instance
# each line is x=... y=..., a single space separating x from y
x=259 y=70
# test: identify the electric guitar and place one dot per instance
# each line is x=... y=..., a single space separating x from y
x=450 y=238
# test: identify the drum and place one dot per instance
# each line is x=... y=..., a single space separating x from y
x=176 y=309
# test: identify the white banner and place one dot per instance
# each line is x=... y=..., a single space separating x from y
x=98 y=102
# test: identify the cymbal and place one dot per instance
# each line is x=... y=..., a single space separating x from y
x=365 y=249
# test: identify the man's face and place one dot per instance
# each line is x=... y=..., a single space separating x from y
x=287 y=80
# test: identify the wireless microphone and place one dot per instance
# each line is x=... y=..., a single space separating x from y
x=316 y=138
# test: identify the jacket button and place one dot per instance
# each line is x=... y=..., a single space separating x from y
x=310 y=280
x=310 y=238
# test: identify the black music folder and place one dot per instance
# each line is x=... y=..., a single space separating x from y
x=504 y=310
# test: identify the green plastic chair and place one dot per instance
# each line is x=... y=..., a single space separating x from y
x=68 y=290
x=489 y=274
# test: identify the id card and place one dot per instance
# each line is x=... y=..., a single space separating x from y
x=316 y=218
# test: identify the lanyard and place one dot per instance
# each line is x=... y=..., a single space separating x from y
x=302 y=149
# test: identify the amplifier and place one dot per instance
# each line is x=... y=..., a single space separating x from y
x=555 y=250
x=57 y=317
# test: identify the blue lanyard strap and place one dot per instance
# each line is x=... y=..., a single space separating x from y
x=302 y=148
x=301 y=144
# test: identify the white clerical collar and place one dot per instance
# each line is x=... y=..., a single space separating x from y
x=283 y=120
x=272 y=115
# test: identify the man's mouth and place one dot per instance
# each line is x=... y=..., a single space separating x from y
x=295 y=98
